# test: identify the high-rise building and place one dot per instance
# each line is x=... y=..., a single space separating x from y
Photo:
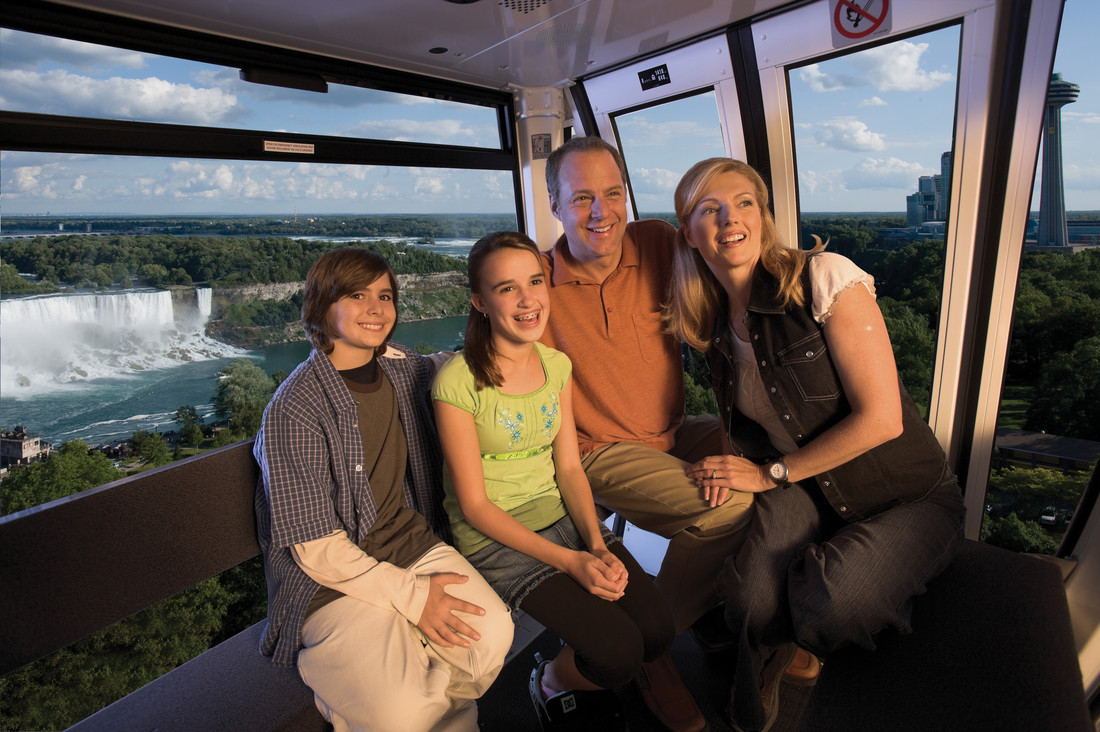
x=929 y=203
x=943 y=187
x=1052 y=199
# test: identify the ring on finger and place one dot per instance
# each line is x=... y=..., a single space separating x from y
x=714 y=475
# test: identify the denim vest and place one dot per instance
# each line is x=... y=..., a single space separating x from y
x=805 y=390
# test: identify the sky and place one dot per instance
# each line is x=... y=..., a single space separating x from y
x=866 y=125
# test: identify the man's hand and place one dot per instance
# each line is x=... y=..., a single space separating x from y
x=438 y=620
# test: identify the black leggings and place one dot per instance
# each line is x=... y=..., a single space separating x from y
x=610 y=639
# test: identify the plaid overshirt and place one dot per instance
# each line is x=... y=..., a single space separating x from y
x=313 y=481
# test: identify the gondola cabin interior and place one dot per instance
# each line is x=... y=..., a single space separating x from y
x=949 y=147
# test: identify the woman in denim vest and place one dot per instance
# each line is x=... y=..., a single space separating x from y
x=856 y=507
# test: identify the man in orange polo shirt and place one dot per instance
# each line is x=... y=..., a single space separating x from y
x=607 y=280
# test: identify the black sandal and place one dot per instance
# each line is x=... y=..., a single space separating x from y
x=534 y=687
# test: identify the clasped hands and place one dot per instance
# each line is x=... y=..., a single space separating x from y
x=719 y=475
x=600 y=572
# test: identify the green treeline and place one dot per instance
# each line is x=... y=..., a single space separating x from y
x=444 y=226
x=264 y=312
x=160 y=260
x=1055 y=345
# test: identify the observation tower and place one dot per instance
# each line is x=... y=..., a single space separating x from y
x=1052 y=199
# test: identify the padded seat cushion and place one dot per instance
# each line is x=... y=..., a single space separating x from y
x=992 y=649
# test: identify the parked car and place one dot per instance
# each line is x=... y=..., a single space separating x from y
x=1049 y=516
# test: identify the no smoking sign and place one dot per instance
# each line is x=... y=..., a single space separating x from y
x=853 y=21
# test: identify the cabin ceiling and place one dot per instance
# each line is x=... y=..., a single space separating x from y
x=493 y=43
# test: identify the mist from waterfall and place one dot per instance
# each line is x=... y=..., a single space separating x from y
x=65 y=341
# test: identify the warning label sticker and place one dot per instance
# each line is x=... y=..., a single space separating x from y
x=301 y=148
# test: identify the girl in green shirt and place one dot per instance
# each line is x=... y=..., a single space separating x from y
x=518 y=499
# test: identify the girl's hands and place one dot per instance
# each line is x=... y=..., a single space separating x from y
x=717 y=475
x=600 y=572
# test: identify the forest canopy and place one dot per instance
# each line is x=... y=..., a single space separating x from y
x=158 y=260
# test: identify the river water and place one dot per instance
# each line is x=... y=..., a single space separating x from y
x=109 y=409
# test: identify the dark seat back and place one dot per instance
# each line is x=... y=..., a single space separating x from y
x=76 y=565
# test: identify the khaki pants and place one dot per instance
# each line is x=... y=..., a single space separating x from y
x=371 y=669
x=650 y=489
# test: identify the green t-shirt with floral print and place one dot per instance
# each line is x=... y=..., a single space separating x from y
x=514 y=434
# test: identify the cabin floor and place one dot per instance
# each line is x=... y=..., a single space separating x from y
x=506 y=707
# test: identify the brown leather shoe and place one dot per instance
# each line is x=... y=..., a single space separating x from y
x=770 y=678
x=667 y=697
x=804 y=669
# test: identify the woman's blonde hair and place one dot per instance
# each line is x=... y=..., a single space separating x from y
x=695 y=295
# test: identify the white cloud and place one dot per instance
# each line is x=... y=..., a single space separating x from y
x=429 y=186
x=812 y=181
x=32 y=181
x=148 y=99
x=1081 y=176
x=848 y=133
x=893 y=67
x=442 y=131
x=872 y=102
x=819 y=81
x=640 y=131
x=654 y=180
x=223 y=178
x=896 y=67
x=27 y=51
x=383 y=192
x=877 y=173
x=1085 y=118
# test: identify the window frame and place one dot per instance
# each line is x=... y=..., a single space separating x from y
x=23 y=131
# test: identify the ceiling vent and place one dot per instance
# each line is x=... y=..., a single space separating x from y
x=562 y=36
x=524 y=6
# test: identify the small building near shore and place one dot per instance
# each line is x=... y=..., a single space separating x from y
x=19 y=448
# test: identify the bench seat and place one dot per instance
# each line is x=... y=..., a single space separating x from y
x=230 y=687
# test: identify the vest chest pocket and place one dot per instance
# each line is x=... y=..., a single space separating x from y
x=811 y=371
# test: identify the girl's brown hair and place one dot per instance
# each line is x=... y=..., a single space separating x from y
x=478 y=347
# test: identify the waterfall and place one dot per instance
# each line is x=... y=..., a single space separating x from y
x=54 y=340
x=204 y=297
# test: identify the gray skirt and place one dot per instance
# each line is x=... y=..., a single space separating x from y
x=513 y=574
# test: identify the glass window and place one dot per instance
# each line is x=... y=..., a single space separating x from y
x=659 y=144
x=49 y=75
x=153 y=274
x=158 y=280
x=1048 y=434
x=873 y=141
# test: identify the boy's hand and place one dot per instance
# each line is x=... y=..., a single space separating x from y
x=438 y=620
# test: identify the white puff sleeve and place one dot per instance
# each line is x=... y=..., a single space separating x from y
x=830 y=275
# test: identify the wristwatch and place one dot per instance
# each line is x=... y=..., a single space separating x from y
x=777 y=471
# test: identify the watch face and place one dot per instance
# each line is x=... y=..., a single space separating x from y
x=778 y=471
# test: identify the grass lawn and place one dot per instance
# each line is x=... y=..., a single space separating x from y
x=1014 y=404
